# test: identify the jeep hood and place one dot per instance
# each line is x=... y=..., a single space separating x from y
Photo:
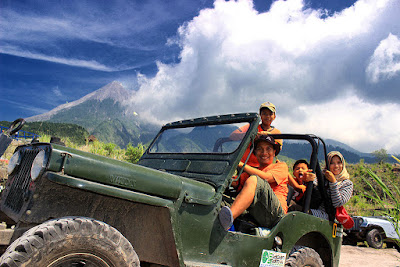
x=103 y=170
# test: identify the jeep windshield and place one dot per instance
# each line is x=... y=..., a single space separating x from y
x=204 y=149
x=222 y=138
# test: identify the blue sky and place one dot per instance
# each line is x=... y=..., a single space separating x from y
x=331 y=67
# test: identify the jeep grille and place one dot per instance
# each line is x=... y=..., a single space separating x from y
x=19 y=181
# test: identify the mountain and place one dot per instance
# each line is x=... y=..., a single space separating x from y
x=103 y=113
x=296 y=150
x=334 y=143
x=299 y=149
x=113 y=91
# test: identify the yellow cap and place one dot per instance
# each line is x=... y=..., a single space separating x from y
x=269 y=106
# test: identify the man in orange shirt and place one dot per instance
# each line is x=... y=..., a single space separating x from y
x=264 y=190
x=268 y=114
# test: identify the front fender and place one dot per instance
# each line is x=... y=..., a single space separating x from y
x=387 y=227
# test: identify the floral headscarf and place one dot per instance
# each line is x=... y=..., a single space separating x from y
x=343 y=175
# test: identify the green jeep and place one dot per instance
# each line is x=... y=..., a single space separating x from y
x=65 y=207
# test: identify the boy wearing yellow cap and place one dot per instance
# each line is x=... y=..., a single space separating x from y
x=268 y=114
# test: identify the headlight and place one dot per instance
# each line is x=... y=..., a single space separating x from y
x=38 y=165
x=14 y=162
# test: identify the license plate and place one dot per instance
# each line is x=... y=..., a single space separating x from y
x=270 y=258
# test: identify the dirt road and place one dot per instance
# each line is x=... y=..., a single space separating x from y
x=352 y=256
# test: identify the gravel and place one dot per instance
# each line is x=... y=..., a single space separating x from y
x=368 y=257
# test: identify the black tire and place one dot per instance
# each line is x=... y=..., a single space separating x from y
x=375 y=238
x=71 y=241
x=304 y=256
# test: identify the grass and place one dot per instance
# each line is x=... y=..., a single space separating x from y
x=130 y=154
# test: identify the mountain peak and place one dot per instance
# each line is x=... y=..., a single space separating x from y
x=114 y=90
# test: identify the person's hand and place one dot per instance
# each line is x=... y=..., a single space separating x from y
x=262 y=133
x=240 y=165
x=235 y=183
x=302 y=188
x=330 y=176
x=308 y=176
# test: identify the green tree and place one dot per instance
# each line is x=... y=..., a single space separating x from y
x=133 y=154
x=109 y=148
x=381 y=155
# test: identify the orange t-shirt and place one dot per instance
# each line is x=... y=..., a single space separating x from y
x=280 y=173
x=253 y=162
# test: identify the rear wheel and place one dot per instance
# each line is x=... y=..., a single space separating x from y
x=375 y=239
x=71 y=241
x=304 y=256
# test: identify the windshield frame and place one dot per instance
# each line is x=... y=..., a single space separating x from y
x=208 y=142
x=207 y=121
x=208 y=167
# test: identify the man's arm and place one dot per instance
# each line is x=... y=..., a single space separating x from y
x=273 y=131
x=254 y=171
x=239 y=133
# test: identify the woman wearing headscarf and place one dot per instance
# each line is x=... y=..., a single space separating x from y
x=340 y=187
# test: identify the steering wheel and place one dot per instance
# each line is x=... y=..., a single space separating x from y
x=16 y=126
x=219 y=142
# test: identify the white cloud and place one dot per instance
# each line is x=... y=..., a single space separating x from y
x=25 y=106
x=234 y=58
x=89 y=64
x=385 y=62
x=362 y=125
x=91 y=35
x=116 y=23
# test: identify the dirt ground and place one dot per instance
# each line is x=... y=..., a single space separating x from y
x=368 y=257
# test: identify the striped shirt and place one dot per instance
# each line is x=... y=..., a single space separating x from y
x=340 y=193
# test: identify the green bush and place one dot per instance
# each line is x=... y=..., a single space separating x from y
x=387 y=198
x=109 y=148
x=133 y=154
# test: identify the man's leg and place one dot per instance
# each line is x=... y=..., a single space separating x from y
x=245 y=197
x=241 y=203
x=266 y=208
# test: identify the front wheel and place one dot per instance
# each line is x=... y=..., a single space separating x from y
x=71 y=241
x=375 y=239
x=304 y=256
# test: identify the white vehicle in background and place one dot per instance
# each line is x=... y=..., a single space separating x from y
x=374 y=230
